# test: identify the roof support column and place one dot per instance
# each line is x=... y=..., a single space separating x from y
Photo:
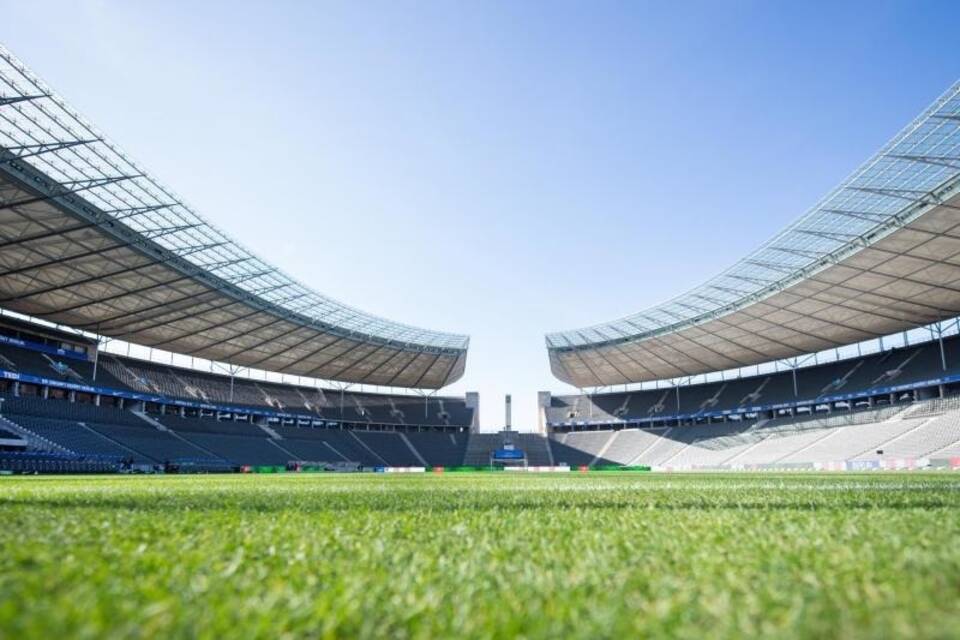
x=96 y=354
x=943 y=353
x=793 y=371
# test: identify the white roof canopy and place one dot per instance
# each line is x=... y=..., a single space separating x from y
x=89 y=239
x=879 y=254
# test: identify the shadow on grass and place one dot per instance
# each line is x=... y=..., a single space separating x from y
x=431 y=504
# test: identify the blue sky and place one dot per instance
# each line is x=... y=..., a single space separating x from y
x=499 y=169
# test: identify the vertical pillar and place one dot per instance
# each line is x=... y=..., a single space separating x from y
x=943 y=353
x=543 y=403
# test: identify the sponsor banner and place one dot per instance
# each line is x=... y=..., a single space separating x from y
x=563 y=468
x=830 y=466
x=863 y=465
x=908 y=463
x=403 y=469
x=148 y=397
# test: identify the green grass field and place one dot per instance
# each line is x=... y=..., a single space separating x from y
x=481 y=555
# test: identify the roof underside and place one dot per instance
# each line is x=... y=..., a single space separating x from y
x=879 y=254
x=87 y=239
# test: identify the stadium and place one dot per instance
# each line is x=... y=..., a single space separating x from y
x=195 y=443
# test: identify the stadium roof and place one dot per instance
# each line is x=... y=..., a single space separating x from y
x=91 y=240
x=879 y=254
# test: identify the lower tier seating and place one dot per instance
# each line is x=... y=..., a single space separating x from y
x=925 y=429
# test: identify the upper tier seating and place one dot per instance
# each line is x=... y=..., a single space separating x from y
x=65 y=410
x=916 y=363
x=54 y=367
x=122 y=373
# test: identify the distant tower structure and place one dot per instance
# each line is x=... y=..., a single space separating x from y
x=508 y=407
x=472 y=401
x=543 y=403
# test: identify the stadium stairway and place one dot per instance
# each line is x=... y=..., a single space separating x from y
x=390 y=447
x=479 y=447
x=364 y=446
x=577 y=449
x=139 y=456
x=34 y=441
x=606 y=447
x=901 y=436
x=444 y=451
x=413 y=449
x=273 y=441
x=270 y=432
x=159 y=426
x=741 y=455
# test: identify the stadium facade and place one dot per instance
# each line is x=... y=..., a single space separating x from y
x=93 y=247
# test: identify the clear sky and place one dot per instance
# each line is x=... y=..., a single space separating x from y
x=498 y=169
